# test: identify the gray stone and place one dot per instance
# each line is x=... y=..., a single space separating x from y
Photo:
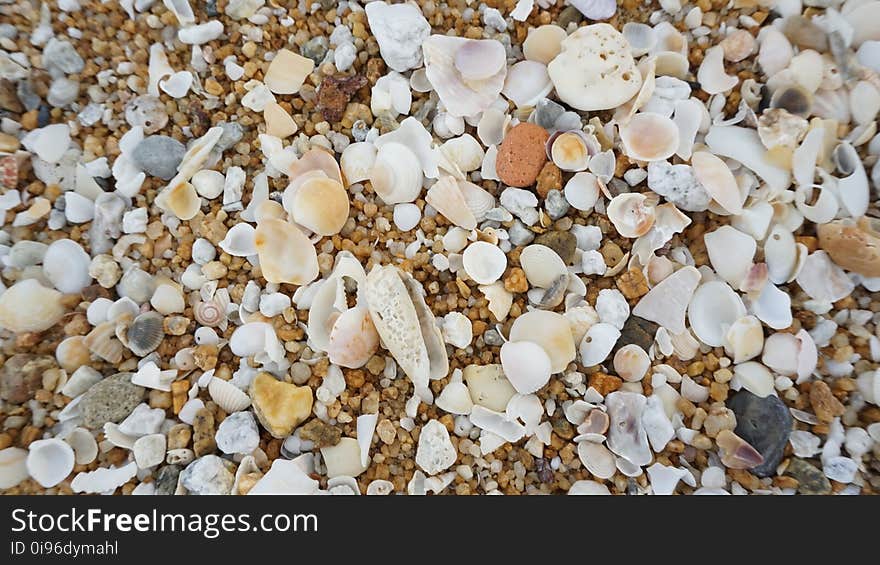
x=110 y=400
x=61 y=58
x=166 y=481
x=208 y=475
x=315 y=49
x=679 y=185
x=493 y=338
x=555 y=204
x=62 y=92
x=238 y=433
x=159 y=156
x=810 y=479
x=765 y=423
x=232 y=134
x=520 y=234
x=562 y=242
x=547 y=112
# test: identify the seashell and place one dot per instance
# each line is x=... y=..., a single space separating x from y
x=597 y=459
x=780 y=253
x=649 y=137
x=754 y=377
x=492 y=127
x=287 y=72
x=72 y=353
x=730 y=252
x=181 y=199
x=317 y=159
x=49 y=461
x=84 y=446
x=461 y=96
x=672 y=64
x=483 y=262
x=597 y=344
x=778 y=127
x=208 y=183
x=666 y=303
x=631 y=213
x=569 y=151
x=446 y=197
x=832 y=105
x=640 y=37
x=500 y=299
x=465 y=152
x=852 y=190
x=102 y=342
x=719 y=182
x=781 y=353
x=396 y=175
x=209 y=313
x=549 y=330
x=687 y=117
x=657 y=269
x=320 y=205
x=631 y=362
x=28 y=306
x=744 y=145
x=479 y=59
x=526 y=365
x=353 y=339
x=357 y=161
x=286 y=255
x=855 y=246
x=406 y=216
x=479 y=201
x=795 y=99
x=712 y=310
x=775 y=52
x=543 y=43
x=553 y=295
x=526 y=83
x=239 y=240
x=862 y=16
x=228 y=396
x=13 y=467
x=745 y=339
x=736 y=453
x=582 y=191
x=66 y=266
x=145 y=333
x=542 y=265
x=457 y=330
x=626 y=433
x=670 y=39
x=413 y=135
x=595 y=69
x=711 y=75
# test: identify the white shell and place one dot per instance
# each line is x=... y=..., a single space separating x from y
x=754 y=377
x=464 y=151
x=66 y=266
x=526 y=83
x=357 y=161
x=666 y=303
x=745 y=339
x=484 y=263
x=744 y=145
x=50 y=461
x=526 y=365
x=640 y=37
x=731 y=252
x=240 y=240
x=631 y=214
x=13 y=467
x=549 y=330
x=597 y=459
x=286 y=255
x=228 y=396
x=649 y=137
x=492 y=126
x=719 y=182
x=712 y=310
x=84 y=446
x=446 y=197
x=542 y=265
x=462 y=97
x=598 y=343
x=500 y=299
x=631 y=362
x=396 y=175
x=457 y=330
x=582 y=191
x=455 y=399
x=353 y=339
x=711 y=75
x=781 y=353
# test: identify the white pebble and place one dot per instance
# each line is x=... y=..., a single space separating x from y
x=407 y=216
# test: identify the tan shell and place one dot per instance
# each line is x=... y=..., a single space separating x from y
x=72 y=353
x=855 y=246
x=209 y=313
x=287 y=72
x=569 y=152
x=286 y=255
x=181 y=199
x=719 y=182
x=543 y=43
x=321 y=205
x=353 y=339
x=631 y=213
x=316 y=160
x=102 y=342
x=28 y=306
x=649 y=137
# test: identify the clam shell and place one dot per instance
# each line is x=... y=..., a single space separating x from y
x=569 y=151
x=357 y=161
x=640 y=37
x=320 y=205
x=28 y=306
x=549 y=330
x=446 y=197
x=712 y=310
x=461 y=97
x=649 y=137
x=84 y=446
x=597 y=344
x=72 y=353
x=773 y=307
x=542 y=265
x=527 y=82
x=50 y=461
x=781 y=353
x=731 y=252
x=719 y=182
x=780 y=254
x=286 y=255
x=239 y=241
x=754 y=377
x=526 y=365
x=396 y=175
x=66 y=266
x=228 y=396
x=465 y=152
x=631 y=214
x=145 y=333
x=317 y=159
x=631 y=362
x=479 y=59
x=597 y=459
x=745 y=339
x=483 y=262
x=353 y=339
x=543 y=43
x=181 y=199
x=582 y=191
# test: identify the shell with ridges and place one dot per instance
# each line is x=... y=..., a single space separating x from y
x=396 y=175
x=446 y=197
x=145 y=333
x=228 y=396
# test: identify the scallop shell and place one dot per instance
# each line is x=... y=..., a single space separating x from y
x=631 y=362
x=396 y=175
x=102 y=342
x=745 y=339
x=713 y=310
x=597 y=344
x=479 y=201
x=549 y=330
x=569 y=151
x=542 y=265
x=72 y=353
x=320 y=205
x=462 y=97
x=649 y=137
x=317 y=159
x=228 y=396
x=543 y=43
x=181 y=199
x=479 y=59
x=357 y=161
x=353 y=339
x=445 y=197
x=526 y=365
x=631 y=213
x=483 y=262
x=50 y=461
x=526 y=83
x=719 y=182
x=286 y=255
x=145 y=333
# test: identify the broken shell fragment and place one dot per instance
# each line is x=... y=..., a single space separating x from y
x=357 y=161
x=736 y=453
x=855 y=246
x=28 y=306
x=353 y=339
x=543 y=43
x=713 y=310
x=632 y=214
x=549 y=330
x=666 y=303
x=462 y=97
x=181 y=199
x=731 y=253
x=320 y=205
x=286 y=255
x=479 y=59
x=446 y=197
x=745 y=339
x=719 y=182
x=542 y=265
x=597 y=344
x=287 y=72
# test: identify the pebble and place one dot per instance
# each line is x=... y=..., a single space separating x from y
x=679 y=185
x=280 y=407
x=764 y=423
x=824 y=404
x=203 y=432
x=22 y=376
x=400 y=30
x=521 y=155
x=549 y=179
x=335 y=93
x=639 y=331
x=238 y=433
x=166 y=480
x=547 y=112
x=208 y=475
x=315 y=49
x=519 y=234
x=562 y=242
x=148 y=112
x=110 y=400
x=61 y=58
x=159 y=156
x=321 y=433
x=493 y=338
x=62 y=92
x=810 y=479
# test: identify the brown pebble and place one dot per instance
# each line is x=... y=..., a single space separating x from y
x=323 y=434
x=334 y=94
x=203 y=433
x=604 y=383
x=824 y=404
x=550 y=178
x=521 y=155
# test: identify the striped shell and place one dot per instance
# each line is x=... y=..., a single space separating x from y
x=145 y=333
x=209 y=313
x=228 y=396
x=102 y=342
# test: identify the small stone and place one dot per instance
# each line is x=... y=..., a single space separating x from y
x=386 y=432
x=335 y=93
x=280 y=407
x=556 y=205
x=232 y=134
x=435 y=452
x=562 y=242
x=315 y=49
x=105 y=270
x=179 y=436
x=149 y=450
x=400 y=30
x=9 y=97
x=148 y=112
x=62 y=92
x=516 y=281
x=22 y=376
x=521 y=155
x=208 y=475
x=765 y=424
x=569 y=15
x=61 y=58
x=679 y=185
x=159 y=156
x=203 y=433
x=142 y=421
x=824 y=404
x=547 y=112
x=550 y=178
x=638 y=331
x=632 y=284
x=166 y=481
x=604 y=383
x=738 y=45
x=110 y=400
x=519 y=234
x=321 y=433
x=238 y=433
x=493 y=338
x=810 y=479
